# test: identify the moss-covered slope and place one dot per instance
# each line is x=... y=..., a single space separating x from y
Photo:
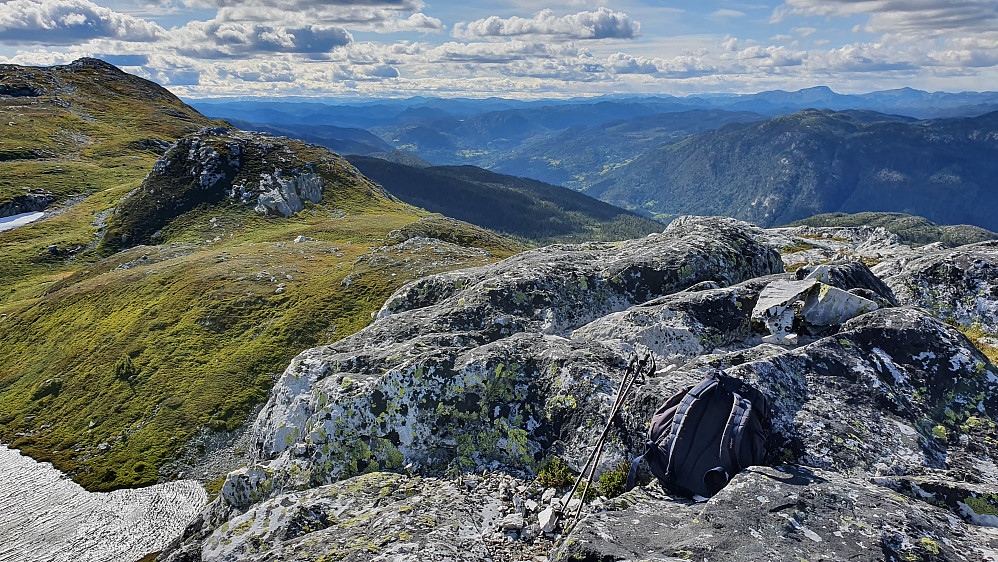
x=117 y=346
x=911 y=229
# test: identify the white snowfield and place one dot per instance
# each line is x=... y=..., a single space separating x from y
x=14 y=221
x=45 y=516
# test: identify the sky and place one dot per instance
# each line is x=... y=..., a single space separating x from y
x=515 y=48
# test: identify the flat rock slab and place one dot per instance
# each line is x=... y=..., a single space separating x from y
x=46 y=516
x=778 y=514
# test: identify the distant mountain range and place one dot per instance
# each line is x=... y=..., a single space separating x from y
x=771 y=157
x=580 y=156
x=367 y=114
x=345 y=140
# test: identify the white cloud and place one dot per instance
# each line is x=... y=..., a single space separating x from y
x=865 y=58
x=622 y=63
x=603 y=23
x=379 y=16
x=921 y=17
x=216 y=39
x=726 y=13
x=771 y=56
x=68 y=22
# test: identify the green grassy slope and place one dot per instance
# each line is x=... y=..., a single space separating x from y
x=112 y=355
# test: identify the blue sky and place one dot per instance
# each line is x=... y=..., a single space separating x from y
x=515 y=48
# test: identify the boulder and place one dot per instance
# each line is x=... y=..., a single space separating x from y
x=958 y=284
x=849 y=275
x=786 y=305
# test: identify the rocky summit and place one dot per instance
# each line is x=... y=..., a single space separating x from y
x=452 y=427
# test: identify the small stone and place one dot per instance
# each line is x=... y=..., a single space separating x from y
x=531 y=506
x=511 y=522
x=547 y=520
x=548 y=495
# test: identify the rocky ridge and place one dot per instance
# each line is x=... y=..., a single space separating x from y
x=883 y=444
x=273 y=176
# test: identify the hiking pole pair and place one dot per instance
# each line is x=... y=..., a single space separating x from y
x=635 y=367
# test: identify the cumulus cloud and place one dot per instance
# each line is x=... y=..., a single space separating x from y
x=603 y=23
x=864 y=58
x=67 y=22
x=373 y=15
x=214 y=39
x=771 y=56
x=504 y=52
x=623 y=63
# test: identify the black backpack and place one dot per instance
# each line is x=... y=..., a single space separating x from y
x=704 y=435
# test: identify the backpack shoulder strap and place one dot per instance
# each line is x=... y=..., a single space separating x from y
x=731 y=439
x=660 y=422
x=679 y=421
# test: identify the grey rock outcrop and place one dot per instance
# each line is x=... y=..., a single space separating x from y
x=784 y=514
x=959 y=283
x=882 y=416
x=29 y=202
x=274 y=176
x=472 y=368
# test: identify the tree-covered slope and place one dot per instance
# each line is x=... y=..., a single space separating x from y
x=526 y=209
x=811 y=162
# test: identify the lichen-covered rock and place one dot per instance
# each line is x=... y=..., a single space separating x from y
x=849 y=275
x=500 y=405
x=679 y=327
x=501 y=367
x=806 y=245
x=443 y=376
x=890 y=393
x=788 y=513
x=959 y=284
x=558 y=288
x=386 y=517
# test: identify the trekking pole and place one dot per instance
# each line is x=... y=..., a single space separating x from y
x=635 y=367
x=606 y=429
